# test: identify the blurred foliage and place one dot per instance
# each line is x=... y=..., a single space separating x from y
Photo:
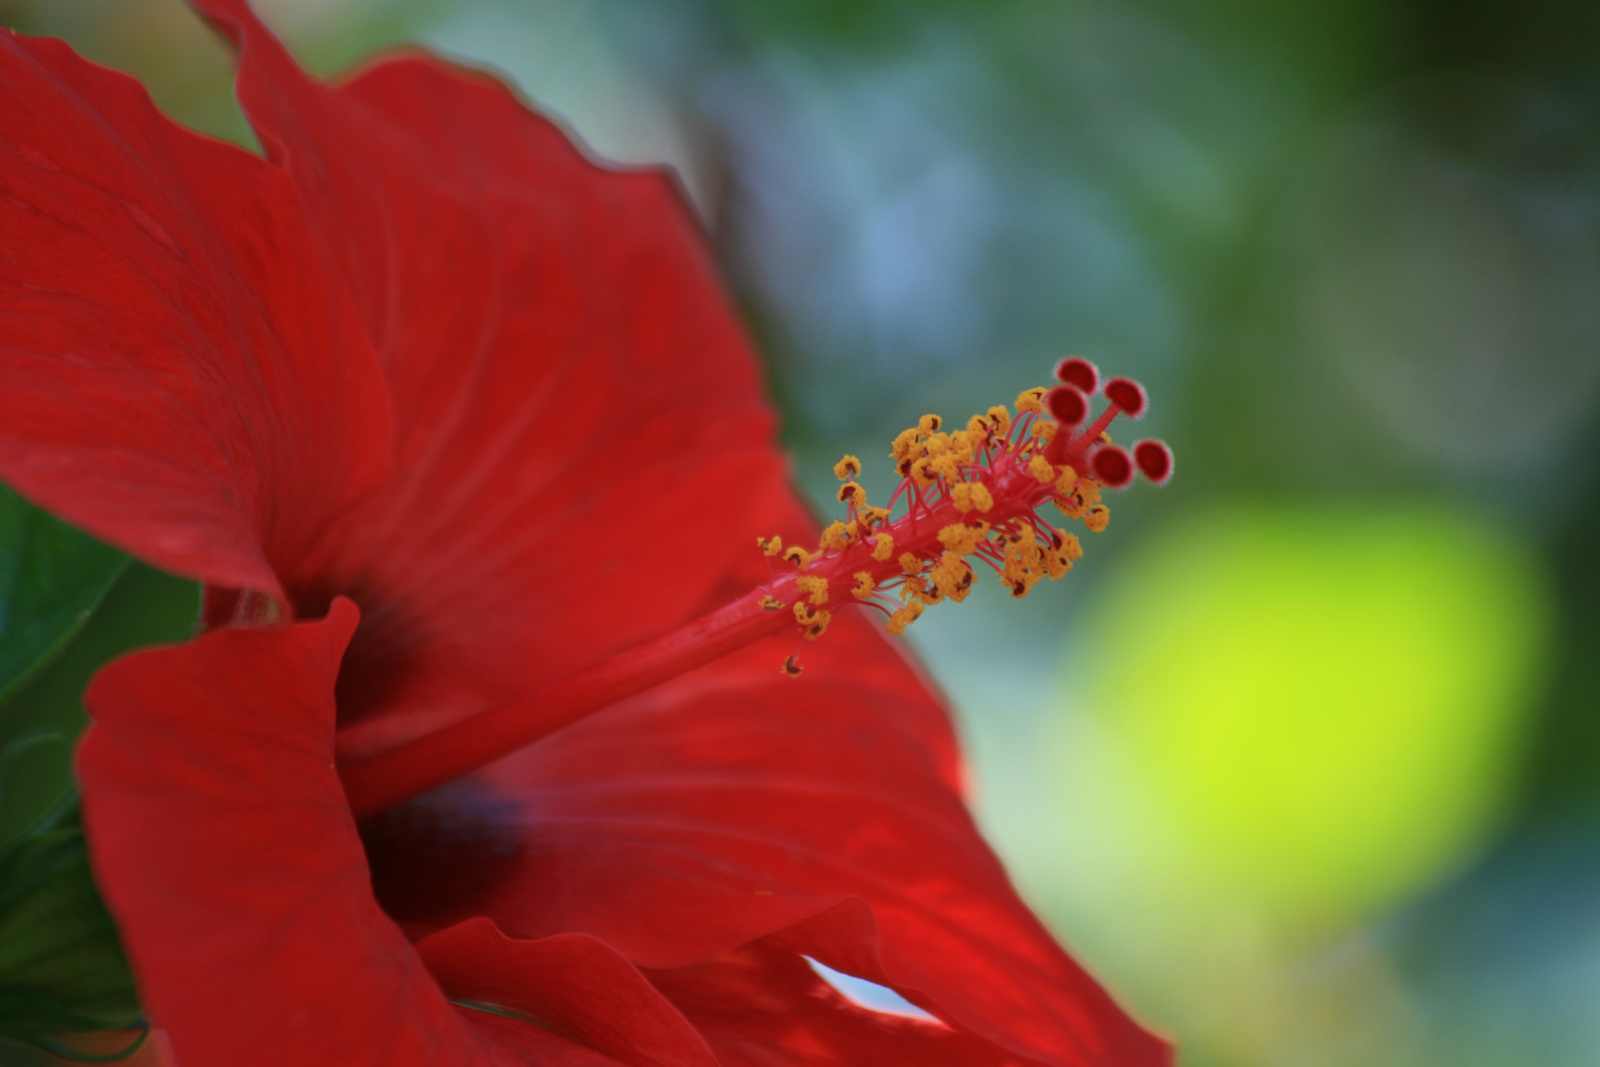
x=51 y=579
x=144 y=607
x=68 y=603
x=1328 y=708
x=62 y=969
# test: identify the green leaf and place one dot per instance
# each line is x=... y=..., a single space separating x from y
x=51 y=578
x=68 y=605
x=144 y=607
x=62 y=968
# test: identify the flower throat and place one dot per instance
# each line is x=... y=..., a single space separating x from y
x=966 y=495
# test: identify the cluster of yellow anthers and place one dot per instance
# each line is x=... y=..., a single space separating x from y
x=971 y=493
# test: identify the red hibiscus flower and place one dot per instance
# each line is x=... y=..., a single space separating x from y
x=443 y=414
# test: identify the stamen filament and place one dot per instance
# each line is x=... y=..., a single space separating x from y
x=968 y=493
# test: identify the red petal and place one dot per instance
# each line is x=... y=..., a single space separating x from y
x=177 y=373
x=580 y=418
x=572 y=985
x=732 y=805
x=222 y=842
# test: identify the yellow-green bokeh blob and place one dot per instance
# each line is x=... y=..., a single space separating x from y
x=1325 y=705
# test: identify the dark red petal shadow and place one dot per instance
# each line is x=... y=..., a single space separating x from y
x=224 y=847
x=580 y=420
x=178 y=375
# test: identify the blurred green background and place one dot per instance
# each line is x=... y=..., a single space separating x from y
x=1304 y=758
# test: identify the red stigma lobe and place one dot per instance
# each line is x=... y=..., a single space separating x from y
x=1112 y=467
x=1154 y=460
x=1068 y=405
x=1079 y=372
x=1128 y=395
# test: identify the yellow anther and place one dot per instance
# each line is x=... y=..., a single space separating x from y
x=871 y=515
x=910 y=564
x=838 y=535
x=1024 y=566
x=1066 y=480
x=1058 y=560
x=946 y=466
x=883 y=546
x=1042 y=470
x=852 y=493
x=918 y=588
x=962 y=539
x=1071 y=506
x=770 y=546
x=1097 y=518
x=791 y=667
x=1029 y=566
x=921 y=474
x=1031 y=401
x=771 y=603
x=1023 y=556
x=978 y=429
x=847 y=468
x=797 y=555
x=1044 y=430
x=804 y=613
x=814 y=585
x=904 y=617
x=1020 y=586
x=969 y=495
x=929 y=424
x=936 y=445
x=1013 y=569
x=818 y=625
x=1075 y=503
x=1001 y=419
x=904 y=443
x=952 y=577
x=864 y=585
